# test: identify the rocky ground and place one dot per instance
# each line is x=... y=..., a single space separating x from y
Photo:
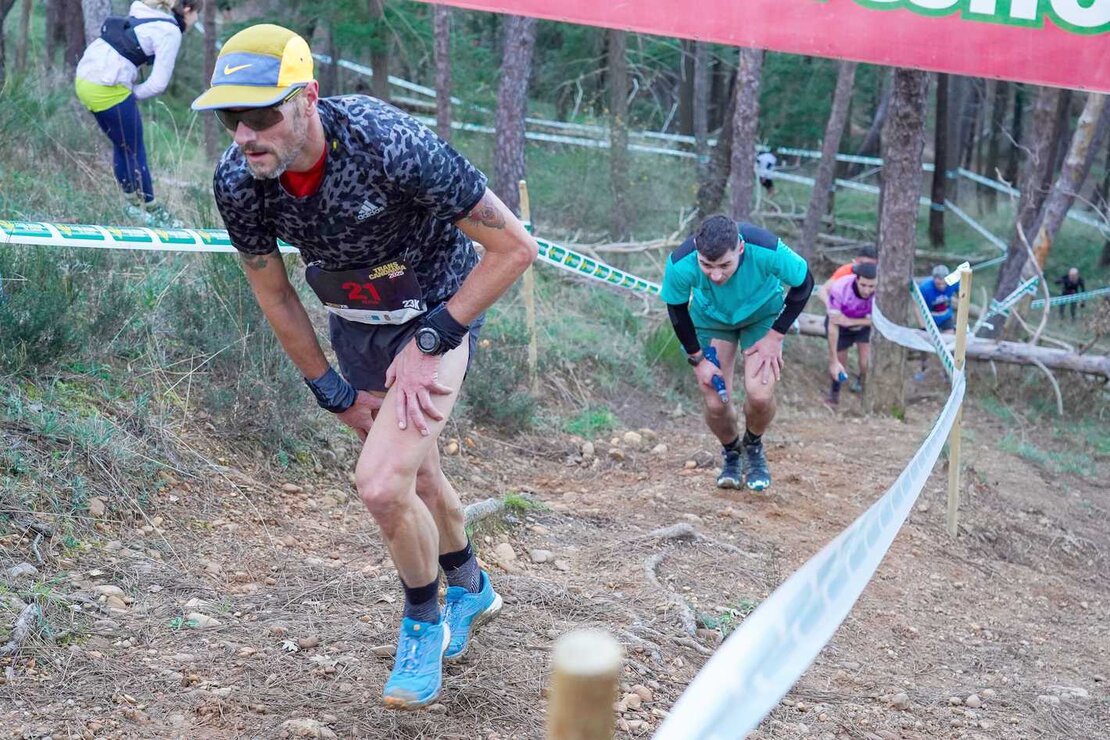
x=242 y=606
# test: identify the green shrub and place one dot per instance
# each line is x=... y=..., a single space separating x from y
x=496 y=387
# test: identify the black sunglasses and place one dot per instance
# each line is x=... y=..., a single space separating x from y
x=256 y=119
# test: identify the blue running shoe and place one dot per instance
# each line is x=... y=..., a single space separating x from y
x=418 y=669
x=730 y=470
x=464 y=611
x=755 y=467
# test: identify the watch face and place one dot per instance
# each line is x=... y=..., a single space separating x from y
x=427 y=340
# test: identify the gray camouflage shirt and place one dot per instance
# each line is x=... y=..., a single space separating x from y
x=392 y=189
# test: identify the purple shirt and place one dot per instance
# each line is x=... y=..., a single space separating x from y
x=843 y=299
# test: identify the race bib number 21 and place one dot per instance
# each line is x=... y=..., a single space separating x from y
x=385 y=294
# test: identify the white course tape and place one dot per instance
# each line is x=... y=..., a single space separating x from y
x=1002 y=308
x=580 y=264
x=1062 y=300
x=994 y=184
x=983 y=231
x=903 y=335
x=773 y=647
x=939 y=345
x=989 y=263
x=135 y=238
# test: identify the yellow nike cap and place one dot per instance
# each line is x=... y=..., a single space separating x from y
x=257 y=67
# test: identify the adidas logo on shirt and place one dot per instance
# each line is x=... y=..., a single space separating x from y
x=367 y=210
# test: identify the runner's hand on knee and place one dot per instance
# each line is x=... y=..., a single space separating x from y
x=767 y=354
x=360 y=416
x=415 y=377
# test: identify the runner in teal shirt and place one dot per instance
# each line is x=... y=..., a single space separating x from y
x=724 y=288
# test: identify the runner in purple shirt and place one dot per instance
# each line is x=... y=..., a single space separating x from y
x=849 y=322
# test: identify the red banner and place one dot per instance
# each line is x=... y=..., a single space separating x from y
x=1063 y=43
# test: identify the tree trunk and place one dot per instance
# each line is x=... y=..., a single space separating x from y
x=618 y=134
x=379 y=51
x=994 y=143
x=834 y=131
x=1103 y=205
x=1061 y=136
x=903 y=144
x=969 y=122
x=212 y=127
x=870 y=145
x=329 y=73
x=74 y=23
x=55 y=31
x=24 y=39
x=1016 y=122
x=701 y=108
x=940 y=164
x=94 y=11
x=1089 y=131
x=745 y=127
x=5 y=8
x=712 y=190
x=1016 y=353
x=441 y=21
x=1039 y=155
x=512 y=100
x=685 y=89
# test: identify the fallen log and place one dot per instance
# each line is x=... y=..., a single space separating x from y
x=1014 y=353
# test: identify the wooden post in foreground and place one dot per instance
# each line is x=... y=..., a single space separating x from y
x=586 y=668
x=528 y=291
x=954 y=434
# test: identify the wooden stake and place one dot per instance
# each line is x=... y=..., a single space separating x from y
x=954 y=434
x=586 y=668
x=528 y=291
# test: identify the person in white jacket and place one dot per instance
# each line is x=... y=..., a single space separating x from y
x=105 y=84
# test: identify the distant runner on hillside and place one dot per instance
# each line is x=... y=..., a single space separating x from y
x=383 y=212
x=866 y=254
x=1070 y=284
x=848 y=322
x=106 y=83
x=724 y=288
x=765 y=168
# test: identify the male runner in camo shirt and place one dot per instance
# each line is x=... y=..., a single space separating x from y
x=383 y=212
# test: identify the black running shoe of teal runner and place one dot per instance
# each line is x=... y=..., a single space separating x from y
x=756 y=474
x=731 y=475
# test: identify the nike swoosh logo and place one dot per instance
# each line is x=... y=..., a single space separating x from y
x=232 y=70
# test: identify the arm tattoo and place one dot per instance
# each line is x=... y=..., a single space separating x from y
x=486 y=214
x=255 y=261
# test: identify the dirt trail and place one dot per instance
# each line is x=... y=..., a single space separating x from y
x=305 y=608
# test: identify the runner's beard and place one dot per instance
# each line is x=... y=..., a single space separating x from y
x=298 y=135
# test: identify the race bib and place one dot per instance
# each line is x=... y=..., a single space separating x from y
x=386 y=294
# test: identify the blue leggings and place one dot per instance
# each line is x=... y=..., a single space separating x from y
x=124 y=127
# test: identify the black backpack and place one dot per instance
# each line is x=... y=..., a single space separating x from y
x=118 y=31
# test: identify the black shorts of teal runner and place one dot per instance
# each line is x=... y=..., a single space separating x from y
x=744 y=334
x=365 y=351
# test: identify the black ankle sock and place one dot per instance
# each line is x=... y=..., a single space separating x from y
x=461 y=569
x=752 y=439
x=733 y=446
x=422 y=602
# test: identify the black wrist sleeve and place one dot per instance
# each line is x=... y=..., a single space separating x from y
x=451 y=332
x=796 y=299
x=332 y=391
x=679 y=314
